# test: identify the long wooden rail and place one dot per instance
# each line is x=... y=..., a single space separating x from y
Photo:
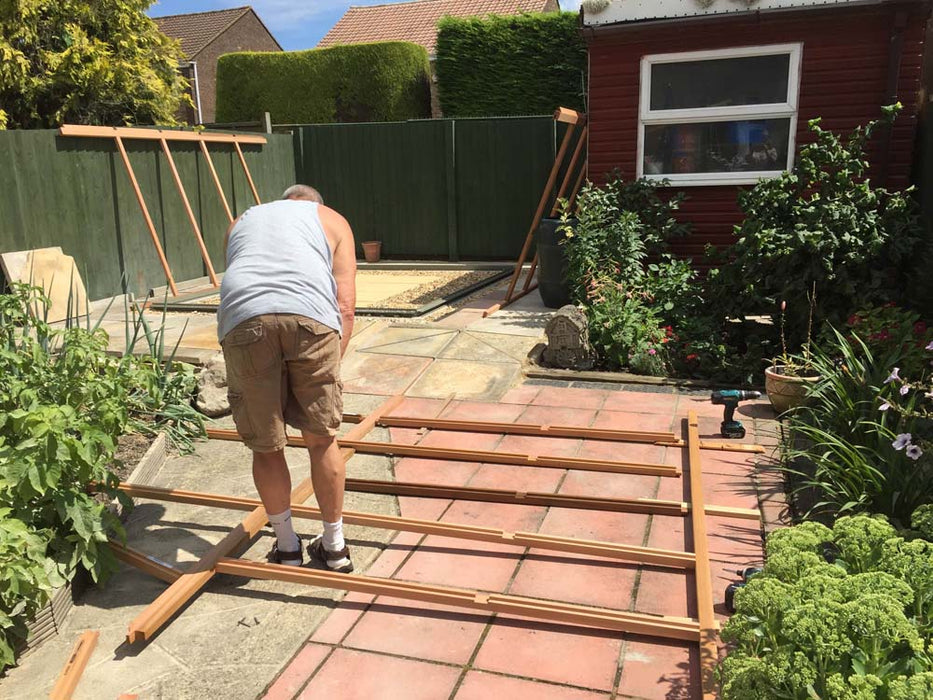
x=642 y=555
x=566 y=613
x=77 y=661
x=486 y=457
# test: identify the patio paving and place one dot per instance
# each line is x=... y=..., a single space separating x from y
x=309 y=646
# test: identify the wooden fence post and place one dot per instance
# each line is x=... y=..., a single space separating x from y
x=450 y=158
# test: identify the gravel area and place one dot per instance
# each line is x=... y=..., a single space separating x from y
x=440 y=284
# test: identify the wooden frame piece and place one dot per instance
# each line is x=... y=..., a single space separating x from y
x=71 y=673
x=650 y=506
x=709 y=627
x=173 y=598
x=131 y=132
x=249 y=177
x=570 y=117
x=205 y=256
x=623 y=552
x=144 y=562
x=220 y=190
x=565 y=613
x=486 y=457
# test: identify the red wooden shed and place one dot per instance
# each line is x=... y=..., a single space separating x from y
x=716 y=94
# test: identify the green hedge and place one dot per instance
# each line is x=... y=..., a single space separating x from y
x=386 y=81
x=502 y=66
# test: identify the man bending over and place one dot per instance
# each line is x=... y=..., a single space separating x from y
x=285 y=319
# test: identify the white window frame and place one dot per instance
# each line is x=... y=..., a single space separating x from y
x=781 y=110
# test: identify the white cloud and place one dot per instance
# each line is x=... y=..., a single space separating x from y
x=570 y=5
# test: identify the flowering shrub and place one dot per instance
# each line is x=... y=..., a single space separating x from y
x=839 y=614
x=889 y=327
x=913 y=400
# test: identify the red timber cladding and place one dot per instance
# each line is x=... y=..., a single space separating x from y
x=844 y=79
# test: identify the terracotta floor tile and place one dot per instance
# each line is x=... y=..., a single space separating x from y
x=461 y=563
x=418 y=630
x=297 y=672
x=520 y=394
x=341 y=619
x=666 y=592
x=729 y=463
x=728 y=490
x=628 y=528
x=406 y=436
x=422 y=508
x=435 y=471
x=641 y=402
x=630 y=452
x=557 y=415
x=549 y=652
x=609 y=485
x=357 y=675
x=514 y=478
x=542 y=446
x=483 y=411
x=660 y=670
x=503 y=516
x=667 y=532
x=415 y=407
x=575 y=579
x=488 y=686
x=576 y=398
x=461 y=441
x=633 y=420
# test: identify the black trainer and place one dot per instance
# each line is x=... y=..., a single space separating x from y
x=334 y=561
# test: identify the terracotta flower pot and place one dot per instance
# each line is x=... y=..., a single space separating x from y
x=372 y=250
x=786 y=391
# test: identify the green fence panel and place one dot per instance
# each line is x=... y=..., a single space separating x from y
x=75 y=193
x=502 y=166
x=463 y=188
x=387 y=179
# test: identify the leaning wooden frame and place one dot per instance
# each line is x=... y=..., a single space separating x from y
x=163 y=136
x=703 y=630
x=572 y=119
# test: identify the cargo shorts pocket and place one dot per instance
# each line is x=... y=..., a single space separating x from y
x=244 y=425
x=316 y=342
x=247 y=351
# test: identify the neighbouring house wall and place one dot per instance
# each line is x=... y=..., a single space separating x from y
x=246 y=34
x=844 y=79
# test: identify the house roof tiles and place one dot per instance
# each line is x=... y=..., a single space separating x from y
x=196 y=30
x=415 y=21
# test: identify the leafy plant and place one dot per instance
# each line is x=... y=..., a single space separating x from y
x=87 y=63
x=822 y=223
x=843 y=445
x=835 y=614
x=891 y=329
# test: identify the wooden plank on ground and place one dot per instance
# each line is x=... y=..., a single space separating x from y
x=71 y=673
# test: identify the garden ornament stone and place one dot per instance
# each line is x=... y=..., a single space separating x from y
x=568 y=340
x=212 y=388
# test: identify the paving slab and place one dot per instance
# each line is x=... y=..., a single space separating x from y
x=466 y=380
x=416 y=342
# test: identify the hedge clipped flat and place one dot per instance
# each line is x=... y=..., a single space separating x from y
x=386 y=81
x=503 y=66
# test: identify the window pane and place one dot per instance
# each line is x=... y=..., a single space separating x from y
x=717 y=147
x=723 y=82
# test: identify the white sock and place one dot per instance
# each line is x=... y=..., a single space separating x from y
x=333 y=536
x=285 y=534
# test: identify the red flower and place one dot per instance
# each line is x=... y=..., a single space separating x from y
x=692 y=356
x=853 y=320
x=920 y=328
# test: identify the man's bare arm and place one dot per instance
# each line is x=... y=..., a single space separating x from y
x=340 y=232
x=227 y=234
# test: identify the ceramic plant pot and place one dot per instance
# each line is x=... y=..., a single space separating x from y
x=372 y=250
x=786 y=391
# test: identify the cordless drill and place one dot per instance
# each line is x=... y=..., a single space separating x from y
x=730 y=398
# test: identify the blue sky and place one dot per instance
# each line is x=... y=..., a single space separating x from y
x=296 y=24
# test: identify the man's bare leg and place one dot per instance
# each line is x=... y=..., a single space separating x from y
x=274 y=484
x=328 y=473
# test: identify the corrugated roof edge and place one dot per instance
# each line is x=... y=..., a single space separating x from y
x=640 y=11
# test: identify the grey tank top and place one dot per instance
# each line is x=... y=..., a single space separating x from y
x=278 y=262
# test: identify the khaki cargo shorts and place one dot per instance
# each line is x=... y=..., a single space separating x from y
x=283 y=368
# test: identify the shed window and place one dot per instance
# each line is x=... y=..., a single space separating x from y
x=719 y=117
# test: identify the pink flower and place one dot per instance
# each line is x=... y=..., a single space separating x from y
x=930 y=346
x=652 y=351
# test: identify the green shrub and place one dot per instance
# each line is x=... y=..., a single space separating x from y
x=895 y=331
x=805 y=628
x=501 y=66
x=386 y=81
x=822 y=223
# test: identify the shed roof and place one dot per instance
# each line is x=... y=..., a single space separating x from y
x=415 y=21
x=620 y=11
x=196 y=30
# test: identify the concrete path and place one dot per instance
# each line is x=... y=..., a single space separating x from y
x=261 y=639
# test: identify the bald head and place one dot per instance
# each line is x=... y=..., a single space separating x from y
x=305 y=192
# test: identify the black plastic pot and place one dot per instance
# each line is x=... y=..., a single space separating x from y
x=552 y=264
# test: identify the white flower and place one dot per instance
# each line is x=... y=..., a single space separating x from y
x=905 y=389
x=894 y=376
x=884 y=407
x=930 y=346
x=914 y=452
x=902 y=441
